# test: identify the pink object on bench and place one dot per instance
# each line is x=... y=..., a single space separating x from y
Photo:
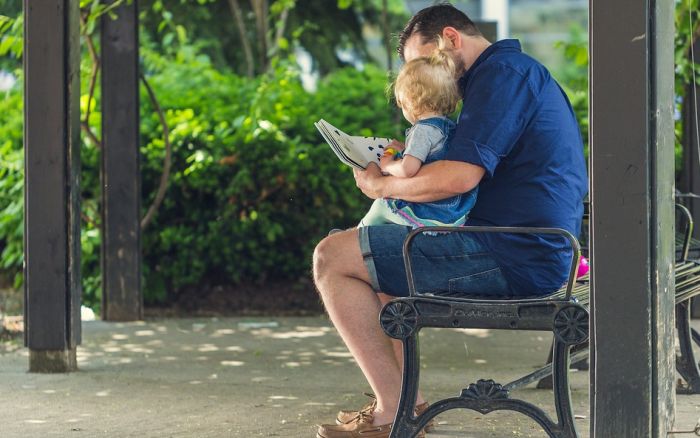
x=583 y=267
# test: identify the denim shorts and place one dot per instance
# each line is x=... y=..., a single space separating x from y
x=448 y=264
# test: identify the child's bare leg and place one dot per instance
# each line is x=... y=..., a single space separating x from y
x=379 y=214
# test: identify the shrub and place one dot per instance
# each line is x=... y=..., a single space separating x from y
x=11 y=187
x=253 y=187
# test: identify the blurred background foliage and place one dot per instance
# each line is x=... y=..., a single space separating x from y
x=252 y=186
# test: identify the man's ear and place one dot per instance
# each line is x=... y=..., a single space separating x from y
x=452 y=37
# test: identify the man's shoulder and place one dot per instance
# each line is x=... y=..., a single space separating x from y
x=515 y=63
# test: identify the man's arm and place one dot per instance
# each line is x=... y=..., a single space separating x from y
x=438 y=180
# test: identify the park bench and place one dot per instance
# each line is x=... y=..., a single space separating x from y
x=564 y=313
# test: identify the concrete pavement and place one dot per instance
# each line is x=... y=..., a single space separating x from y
x=248 y=377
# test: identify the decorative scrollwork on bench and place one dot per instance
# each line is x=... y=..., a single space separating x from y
x=485 y=390
x=571 y=325
x=398 y=320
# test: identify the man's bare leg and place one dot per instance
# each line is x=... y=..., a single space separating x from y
x=344 y=285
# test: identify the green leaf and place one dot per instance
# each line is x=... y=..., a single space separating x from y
x=283 y=43
x=181 y=34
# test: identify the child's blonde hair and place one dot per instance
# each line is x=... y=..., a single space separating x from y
x=428 y=84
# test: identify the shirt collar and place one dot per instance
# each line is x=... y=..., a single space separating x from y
x=500 y=46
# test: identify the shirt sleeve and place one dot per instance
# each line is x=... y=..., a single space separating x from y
x=498 y=104
x=420 y=141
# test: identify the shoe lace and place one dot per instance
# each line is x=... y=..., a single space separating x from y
x=365 y=415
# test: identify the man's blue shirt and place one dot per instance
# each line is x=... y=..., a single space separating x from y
x=517 y=123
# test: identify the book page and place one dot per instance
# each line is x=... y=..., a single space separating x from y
x=335 y=145
x=372 y=148
x=356 y=151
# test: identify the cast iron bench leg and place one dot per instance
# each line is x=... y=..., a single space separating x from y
x=562 y=392
x=582 y=365
x=405 y=423
x=546 y=382
x=696 y=336
x=686 y=364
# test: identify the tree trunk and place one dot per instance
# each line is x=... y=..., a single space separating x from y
x=260 y=7
x=279 y=33
x=387 y=35
x=240 y=23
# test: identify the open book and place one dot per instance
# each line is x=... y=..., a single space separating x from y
x=354 y=151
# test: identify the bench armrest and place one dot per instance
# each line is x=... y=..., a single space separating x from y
x=687 y=233
x=576 y=248
x=680 y=194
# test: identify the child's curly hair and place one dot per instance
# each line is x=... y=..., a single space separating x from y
x=428 y=84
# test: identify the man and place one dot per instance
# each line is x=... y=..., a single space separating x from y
x=517 y=138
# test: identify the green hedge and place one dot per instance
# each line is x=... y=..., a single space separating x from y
x=253 y=186
x=11 y=187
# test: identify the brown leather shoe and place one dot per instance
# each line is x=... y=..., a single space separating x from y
x=360 y=427
x=345 y=417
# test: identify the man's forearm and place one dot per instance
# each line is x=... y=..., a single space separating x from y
x=402 y=189
x=435 y=181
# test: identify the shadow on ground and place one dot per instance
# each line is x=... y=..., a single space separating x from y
x=244 y=377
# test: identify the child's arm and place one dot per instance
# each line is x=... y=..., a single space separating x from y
x=405 y=167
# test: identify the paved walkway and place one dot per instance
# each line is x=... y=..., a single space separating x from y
x=237 y=377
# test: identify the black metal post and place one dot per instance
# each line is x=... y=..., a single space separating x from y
x=122 y=299
x=52 y=185
x=632 y=222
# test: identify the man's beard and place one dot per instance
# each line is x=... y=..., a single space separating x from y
x=460 y=66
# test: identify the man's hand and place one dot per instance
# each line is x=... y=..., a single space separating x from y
x=369 y=180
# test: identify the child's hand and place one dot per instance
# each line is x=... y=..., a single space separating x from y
x=391 y=152
x=396 y=145
x=384 y=161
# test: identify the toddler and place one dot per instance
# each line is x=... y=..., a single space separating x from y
x=426 y=91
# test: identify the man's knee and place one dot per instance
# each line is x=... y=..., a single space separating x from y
x=338 y=254
x=321 y=258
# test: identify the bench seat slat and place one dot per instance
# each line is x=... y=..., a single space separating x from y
x=687 y=275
